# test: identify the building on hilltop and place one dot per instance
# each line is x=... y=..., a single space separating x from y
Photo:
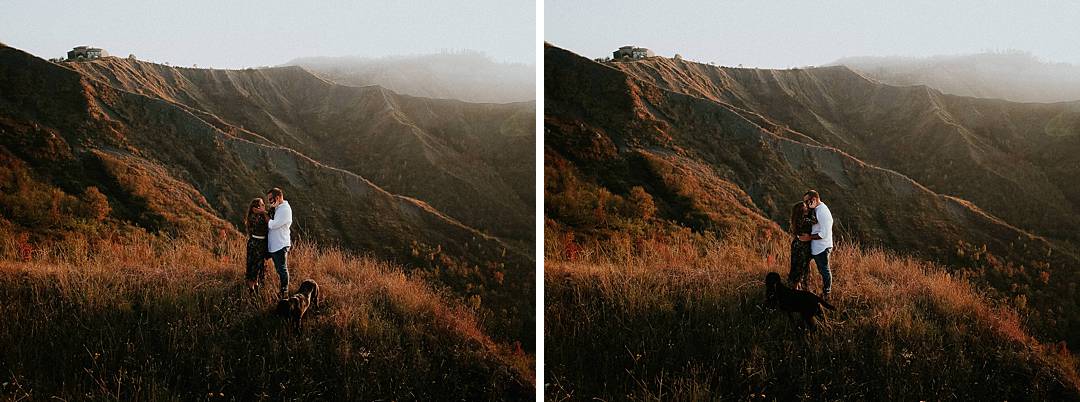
x=632 y=53
x=86 y=53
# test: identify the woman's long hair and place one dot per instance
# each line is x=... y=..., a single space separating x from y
x=798 y=212
x=249 y=217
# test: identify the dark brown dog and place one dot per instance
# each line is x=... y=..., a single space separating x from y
x=298 y=304
x=807 y=304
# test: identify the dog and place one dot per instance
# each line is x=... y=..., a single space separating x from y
x=807 y=304
x=298 y=304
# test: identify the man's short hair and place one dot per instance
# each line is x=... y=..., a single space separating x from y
x=275 y=193
x=812 y=194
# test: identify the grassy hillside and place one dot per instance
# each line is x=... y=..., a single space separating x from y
x=708 y=165
x=168 y=168
x=143 y=317
x=674 y=315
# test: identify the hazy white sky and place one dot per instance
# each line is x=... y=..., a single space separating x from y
x=792 y=33
x=270 y=32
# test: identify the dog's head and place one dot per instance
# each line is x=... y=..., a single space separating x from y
x=772 y=279
x=772 y=282
x=285 y=307
x=307 y=286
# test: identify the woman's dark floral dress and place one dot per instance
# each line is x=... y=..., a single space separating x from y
x=799 y=274
x=257 y=252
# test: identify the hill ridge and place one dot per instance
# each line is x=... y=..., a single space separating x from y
x=1003 y=150
x=470 y=76
x=1016 y=76
x=366 y=130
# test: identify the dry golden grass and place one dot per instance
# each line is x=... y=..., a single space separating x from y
x=682 y=317
x=143 y=317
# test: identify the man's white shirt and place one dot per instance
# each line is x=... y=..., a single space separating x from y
x=823 y=228
x=278 y=237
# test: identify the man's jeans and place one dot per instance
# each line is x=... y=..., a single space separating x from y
x=822 y=262
x=281 y=258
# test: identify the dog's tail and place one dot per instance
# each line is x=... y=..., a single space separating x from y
x=825 y=303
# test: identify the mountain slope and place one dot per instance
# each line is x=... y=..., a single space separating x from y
x=602 y=120
x=982 y=150
x=467 y=160
x=152 y=158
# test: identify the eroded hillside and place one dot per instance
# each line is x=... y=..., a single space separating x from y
x=468 y=160
x=982 y=150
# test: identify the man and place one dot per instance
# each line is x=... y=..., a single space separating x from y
x=278 y=242
x=820 y=239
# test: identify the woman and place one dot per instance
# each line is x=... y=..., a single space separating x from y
x=802 y=222
x=255 y=222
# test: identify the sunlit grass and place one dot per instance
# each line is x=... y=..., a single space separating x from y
x=145 y=317
x=681 y=316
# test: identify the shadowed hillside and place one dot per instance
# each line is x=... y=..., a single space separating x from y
x=638 y=153
x=468 y=160
x=982 y=150
x=170 y=168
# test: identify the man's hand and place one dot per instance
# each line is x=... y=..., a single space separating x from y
x=805 y=237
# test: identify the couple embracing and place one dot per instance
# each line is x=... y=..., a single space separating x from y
x=811 y=226
x=267 y=224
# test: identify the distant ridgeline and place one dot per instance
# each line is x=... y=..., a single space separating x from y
x=469 y=76
x=1015 y=76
